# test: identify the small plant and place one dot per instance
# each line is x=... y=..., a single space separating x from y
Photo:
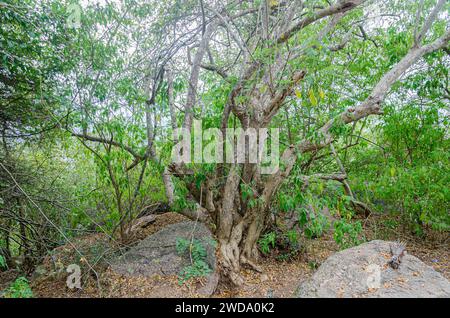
x=267 y=242
x=390 y=224
x=3 y=264
x=293 y=237
x=346 y=234
x=316 y=225
x=197 y=253
x=313 y=265
x=19 y=289
x=286 y=244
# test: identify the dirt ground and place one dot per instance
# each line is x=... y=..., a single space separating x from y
x=279 y=278
x=282 y=278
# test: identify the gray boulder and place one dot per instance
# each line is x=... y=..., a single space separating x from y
x=157 y=254
x=362 y=271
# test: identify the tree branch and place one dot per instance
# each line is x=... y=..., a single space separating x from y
x=109 y=142
x=340 y=7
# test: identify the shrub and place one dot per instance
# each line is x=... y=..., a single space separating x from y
x=197 y=253
x=346 y=233
x=19 y=289
x=267 y=242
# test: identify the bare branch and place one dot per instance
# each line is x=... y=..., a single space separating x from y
x=340 y=7
x=109 y=142
x=427 y=25
x=193 y=79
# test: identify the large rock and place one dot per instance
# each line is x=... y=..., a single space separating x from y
x=157 y=254
x=362 y=271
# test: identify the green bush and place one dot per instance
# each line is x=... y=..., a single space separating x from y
x=408 y=173
x=346 y=233
x=197 y=253
x=267 y=242
x=19 y=289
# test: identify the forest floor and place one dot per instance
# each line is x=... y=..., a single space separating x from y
x=282 y=278
x=279 y=278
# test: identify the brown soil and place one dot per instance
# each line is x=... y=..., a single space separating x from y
x=7 y=277
x=279 y=278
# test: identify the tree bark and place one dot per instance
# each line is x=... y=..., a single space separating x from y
x=237 y=224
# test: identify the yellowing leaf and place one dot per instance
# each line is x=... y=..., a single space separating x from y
x=298 y=93
x=322 y=94
x=422 y=216
x=321 y=187
x=312 y=97
x=263 y=89
x=273 y=3
x=392 y=171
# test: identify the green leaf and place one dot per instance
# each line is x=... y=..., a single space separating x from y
x=312 y=97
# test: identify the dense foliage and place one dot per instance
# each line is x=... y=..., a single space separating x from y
x=87 y=112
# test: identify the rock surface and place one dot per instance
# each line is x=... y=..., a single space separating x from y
x=362 y=271
x=157 y=255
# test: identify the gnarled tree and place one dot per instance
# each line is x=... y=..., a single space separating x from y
x=262 y=56
x=271 y=65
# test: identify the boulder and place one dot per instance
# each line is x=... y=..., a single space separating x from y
x=156 y=255
x=362 y=271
